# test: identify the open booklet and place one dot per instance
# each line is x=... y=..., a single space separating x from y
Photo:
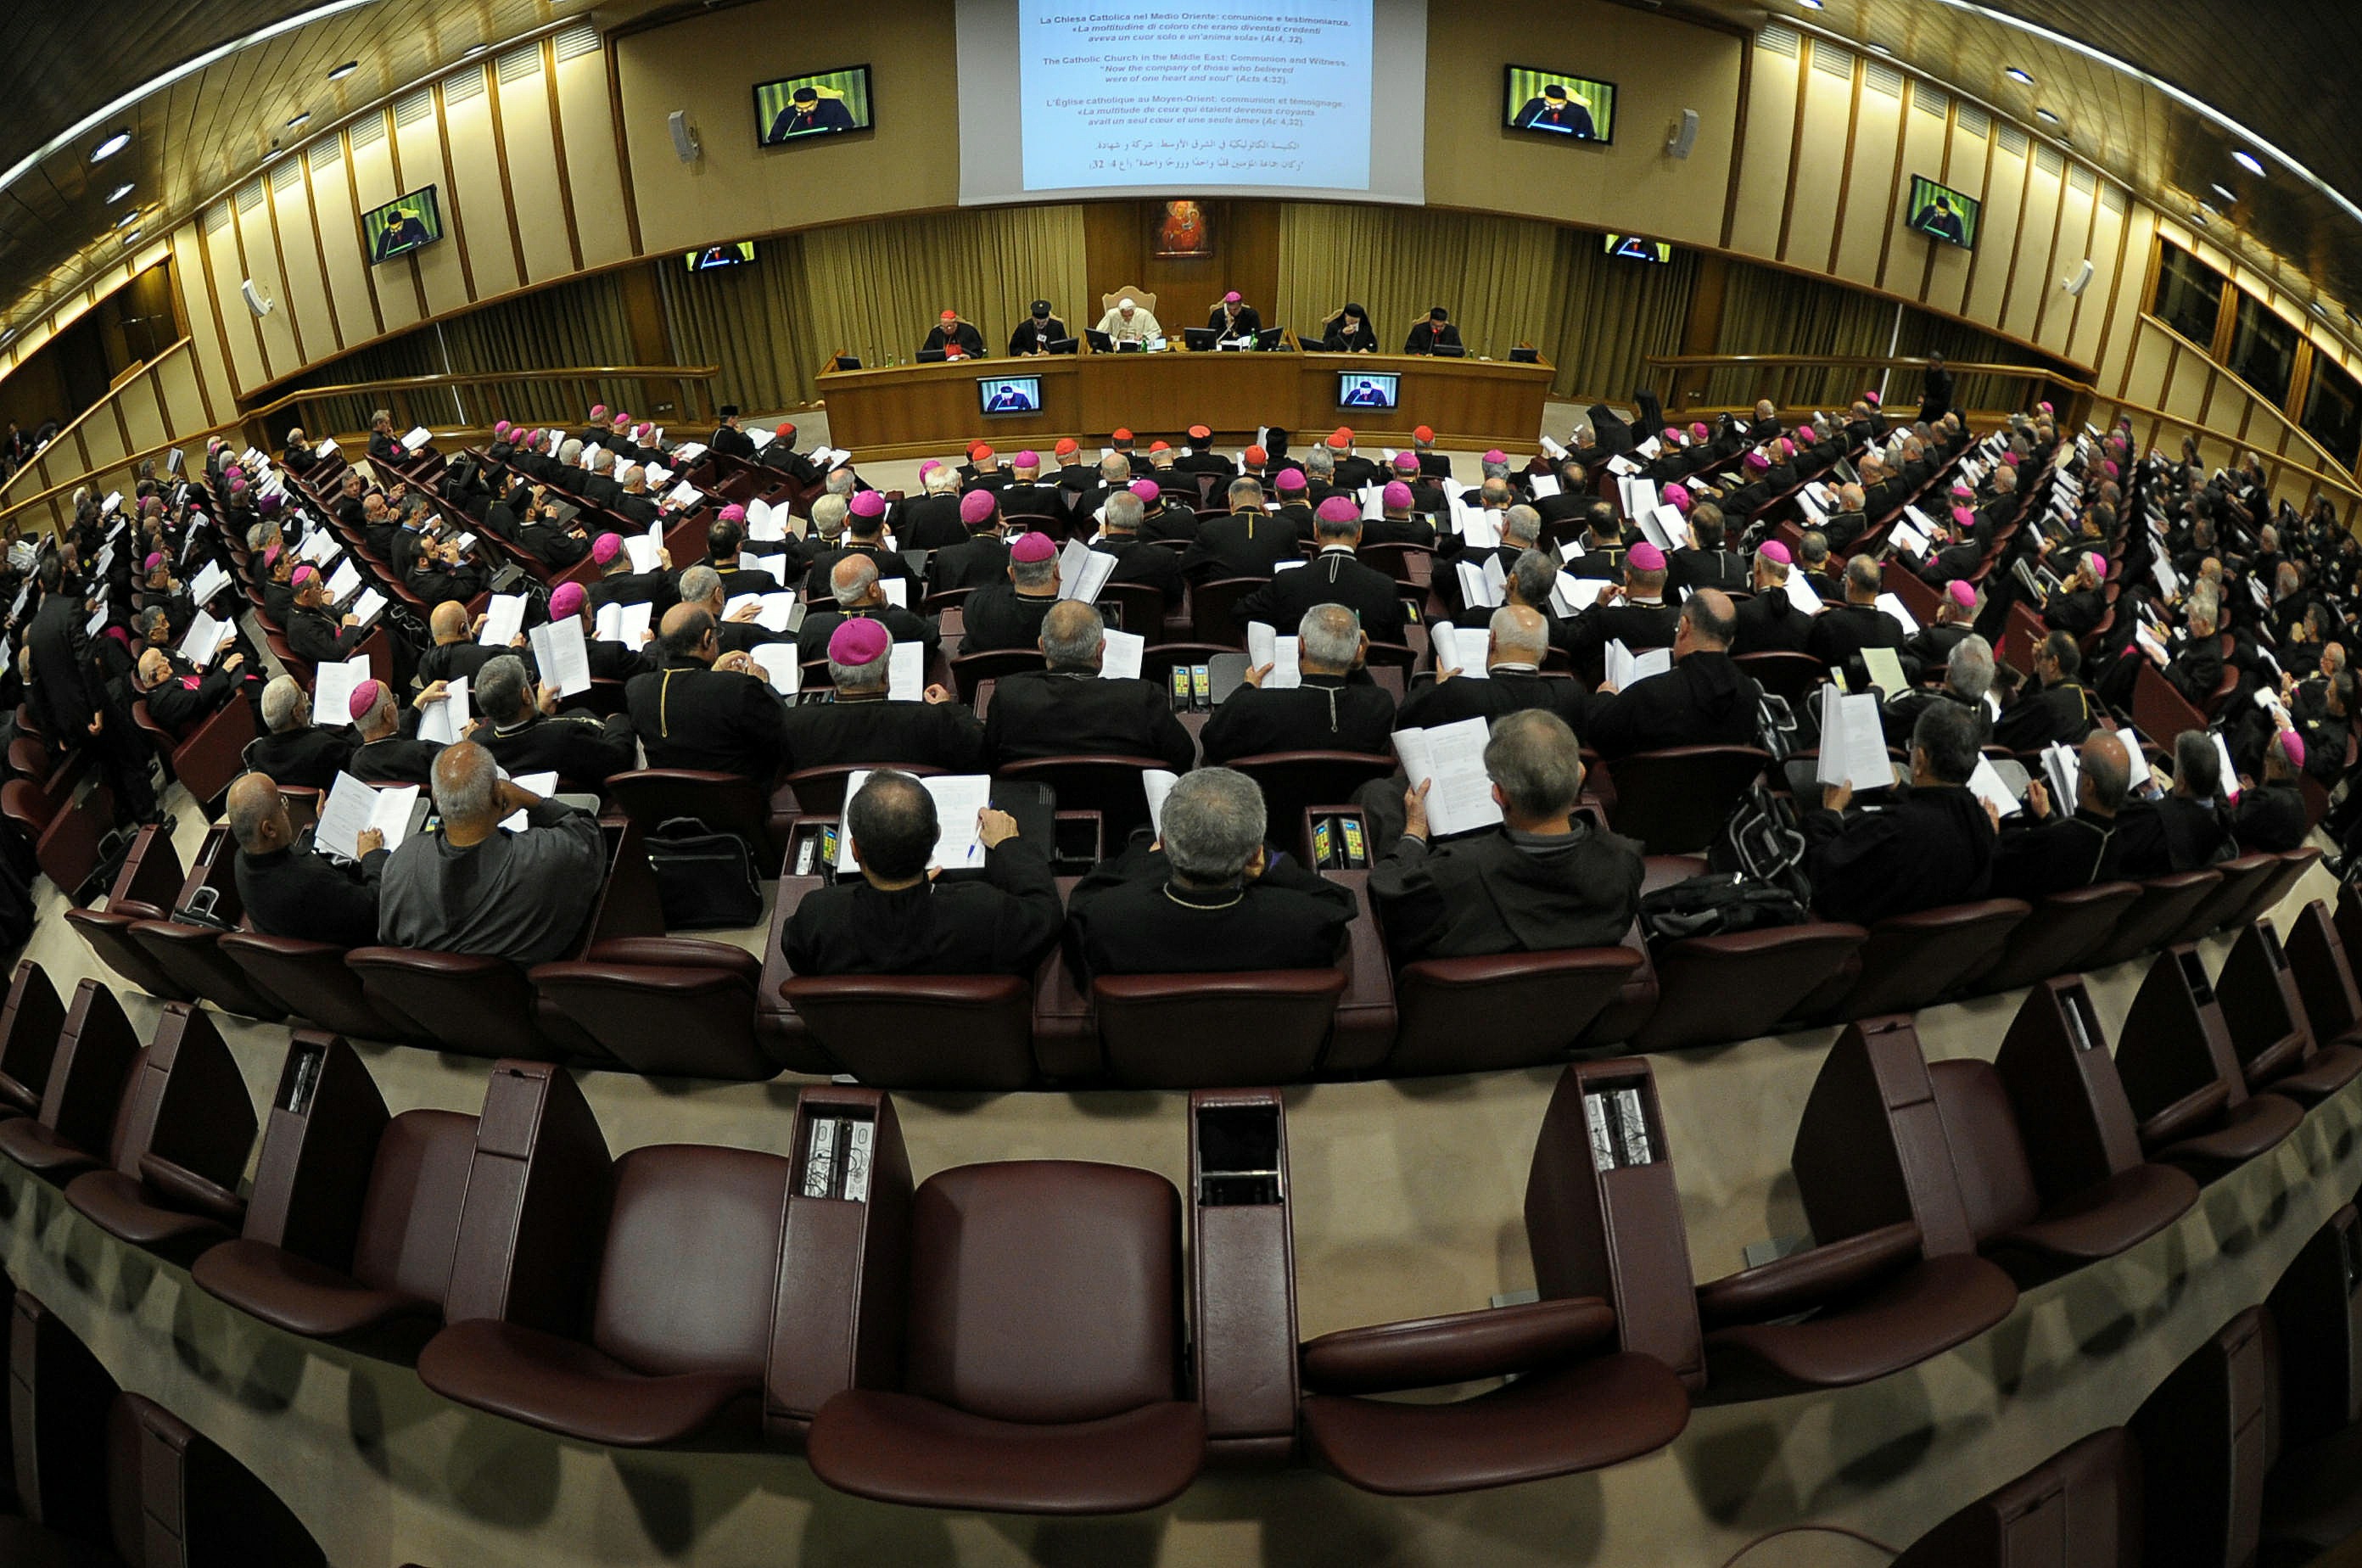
x=1485 y=587
x=1082 y=571
x=353 y=808
x=1854 y=742
x=1460 y=648
x=1453 y=757
x=503 y=619
x=780 y=666
x=562 y=657
x=1624 y=667
x=959 y=798
x=1266 y=647
x=444 y=721
x=332 y=690
x=624 y=624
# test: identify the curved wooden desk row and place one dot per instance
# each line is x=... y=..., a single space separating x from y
x=910 y=411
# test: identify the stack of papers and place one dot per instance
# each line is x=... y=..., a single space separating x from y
x=1452 y=757
x=960 y=799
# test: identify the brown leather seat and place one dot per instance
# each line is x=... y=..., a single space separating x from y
x=191 y=955
x=2244 y=881
x=81 y=1103
x=2271 y=1031
x=475 y=1005
x=724 y=802
x=1042 y=1367
x=2208 y=1438
x=1785 y=674
x=677 y=1325
x=180 y=1143
x=2081 y=1506
x=108 y=931
x=1110 y=786
x=2293 y=864
x=1210 y=604
x=1293 y=781
x=1202 y=1031
x=674 y=1007
x=821 y=790
x=1516 y=1010
x=943 y=1031
x=1910 y=960
x=2324 y=978
x=2055 y=939
x=1675 y=801
x=2165 y=905
x=30 y=1021
x=2182 y=1078
x=1715 y=989
x=313 y=981
x=970 y=670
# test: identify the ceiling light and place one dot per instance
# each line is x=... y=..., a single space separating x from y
x=475 y=51
x=110 y=147
x=340 y=72
x=127 y=220
x=2014 y=74
x=2065 y=141
x=2320 y=309
x=299 y=119
x=118 y=193
x=2199 y=217
x=1810 y=5
x=1881 y=49
x=2227 y=194
x=132 y=236
x=2046 y=116
x=2247 y=160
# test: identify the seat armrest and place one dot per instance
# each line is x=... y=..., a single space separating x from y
x=2282 y=1056
x=2193 y=1110
x=675 y=953
x=1807 y=1279
x=191 y=1191
x=1463 y=1347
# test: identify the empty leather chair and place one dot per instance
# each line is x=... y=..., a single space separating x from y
x=2271 y=1033
x=1892 y=1276
x=2165 y=905
x=2244 y=880
x=2044 y=1153
x=672 y=1006
x=312 y=979
x=1715 y=989
x=2082 y=1507
x=143 y=889
x=475 y=1005
x=1110 y=786
x=2055 y=939
x=96 y=1054
x=2293 y=864
x=30 y=1022
x=1042 y=1353
x=2310 y=1502
x=2324 y=977
x=1254 y=1027
x=1675 y=801
x=1910 y=960
x=1293 y=781
x=724 y=802
x=1516 y=1009
x=2206 y=1442
x=1785 y=674
x=943 y=1031
x=189 y=949
x=1604 y=1363
x=2184 y=1082
x=180 y=1143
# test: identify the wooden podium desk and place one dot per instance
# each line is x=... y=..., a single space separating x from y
x=914 y=410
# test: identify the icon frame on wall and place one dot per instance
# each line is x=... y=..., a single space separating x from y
x=1183 y=231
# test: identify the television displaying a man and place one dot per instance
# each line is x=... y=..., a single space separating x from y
x=402 y=225
x=805 y=107
x=1012 y=396
x=1367 y=392
x=1552 y=110
x=1552 y=102
x=1942 y=214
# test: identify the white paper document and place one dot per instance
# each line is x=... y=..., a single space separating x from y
x=332 y=693
x=1801 y=594
x=443 y=723
x=1624 y=667
x=1480 y=587
x=1119 y=655
x=1459 y=649
x=418 y=439
x=1453 y=755
x=959 y=798
x=1572 y=595
x=1854 y=742
x=1266 y=647
x=353 y=808
x=1157 y=783
x=562 y=657
x=209 y=582
x=780 y=666
x=542 y=784
x=1894 y=606
x=1985 y=785
x=624 y=624
x=503 y=619
x=364 y=608
x=1082 y=571
x=1885 y=671
x=203 y=639
x=905 y=673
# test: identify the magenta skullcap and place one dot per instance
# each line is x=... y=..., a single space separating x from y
x=270 y=556
x=975 y=506
x=1496 y=456
x=1290 y=480
x=606 y=547
x=1396 y=496
x=1962 y=518
x=2010 y=457
x=2044 y=407
x=2098 y=563
x=641 y=429
x=1963 y=593
x=155 y=560
x=1337 y=509
x=1027 y=460
x=2108 y=467
x=566 y=599
x=238 y=487
x=1645 y=556
x=233 y=472
x=1871 y=398
x=1758 y=461
x=2292 y=748
x=268 y=505
x=1147 y=490
x=1787 y=448
x=733 y=513
x=1230 y=298
x=305 y=573
x=1773 y=550
x=1677 y=496
x=363 y=700
x=1961 y=490
x=1672 y=434
x=1405 y=462
x=858 y=640
x=1699 y=432
x=930 y=466
x=1031 y=547
x=868 y=503
x=598 y=410
x=501 y=428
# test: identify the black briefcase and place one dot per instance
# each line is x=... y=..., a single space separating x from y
x=705 y=880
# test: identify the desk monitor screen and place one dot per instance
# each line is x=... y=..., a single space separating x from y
x=1551 y=103
x=1941 y=213
x=1009 y=394
x=1366 y=389
x=403 y=225
x=807 y=107
x=715 y=256
x=1632 y=247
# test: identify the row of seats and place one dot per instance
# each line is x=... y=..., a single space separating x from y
x=1011 y=1336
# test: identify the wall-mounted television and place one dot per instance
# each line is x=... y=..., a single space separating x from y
x=1366 y=389
x=1009 y=394
x=817 y=104
x=1941 y=213
x=402 y=226
x=717 y=255
x=1632 y=247
x=1551 y=103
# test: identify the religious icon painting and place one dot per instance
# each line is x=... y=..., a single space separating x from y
x=1182 y=231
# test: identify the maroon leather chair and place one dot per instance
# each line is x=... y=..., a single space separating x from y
x=1893 y=1277
x=1715 y=989
x=2185 y=1083
x=1675 y=801
x=83 y=1101
x=1041 y=1369
x=144 y=888
x=1790 y=675
x=1293 y=781
x=2044 y=1153
x=970 y=670
x=190 y=952
x=2082 y=1506
x=355 y=1212
x=2055 y=939
x=69 y=838
x=724 y=802
x=669 y=1006
x=2324 y=977
x=1910 y=960
x=2164 y=907
x=2244 y=881
x=1517 y=1010
x=1604 y=1363
x=30 y=1022
x=179 y=1144
x=2271 y=1034
x=2208 y=1438
x=311 y=979
x=1210 y=604
x=1110 y=786
x=2310 y=1500
x=1254 y=1027
x=938 y=1031
x=475 y=1005
x=2293 y=864
x=821 y=790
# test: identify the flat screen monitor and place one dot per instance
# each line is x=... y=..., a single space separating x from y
x=715 y=257
x=1008 y=394
x=1366 y=389
x=1632 y=247
x=817 y=104
x=1551 y=103
x=402 y=226
x=1941 y=213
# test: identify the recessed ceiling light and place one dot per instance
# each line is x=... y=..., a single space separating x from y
x=2227 y=194
x=2046 y=116
x=121 y=139
x=127 y=220
x=2247 y=160
x=340 y=72
x=1810 y=5
x=2065 y=141
x=132 y=236
x=2320 y=309
x=2199 y=217
x=2014 y=74
x=1881 y=49
x=475 y=51
x=299 y=119
x=118 y=193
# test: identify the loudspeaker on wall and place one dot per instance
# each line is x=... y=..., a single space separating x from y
x=684 y=136
x=1684 y=137
x=2075 y=282
x=253 y=297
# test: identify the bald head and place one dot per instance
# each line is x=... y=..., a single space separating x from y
x=1519 y=636
x=687 y=632
x=851 y=580
x=449 y=621
x=2104 y=773
x=258 y=814
x=464 y=779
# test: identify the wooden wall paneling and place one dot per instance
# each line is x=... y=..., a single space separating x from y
x=2038 y=233
x=500 y=156
x=2034 y=206
x=201 y=325
x=1994 y=258
x=443 y=275
x=557 y=151
x=1915 y=132
x=2070 y=227
x=340 y=230
x=595 y=180
x=265 y=217
x=303 y=262
x=217 y=248
x=2103 y=241
x=478 y=192
x=1755 y=221
x=234 y=250
x=311 y=222
x=1871 y=137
